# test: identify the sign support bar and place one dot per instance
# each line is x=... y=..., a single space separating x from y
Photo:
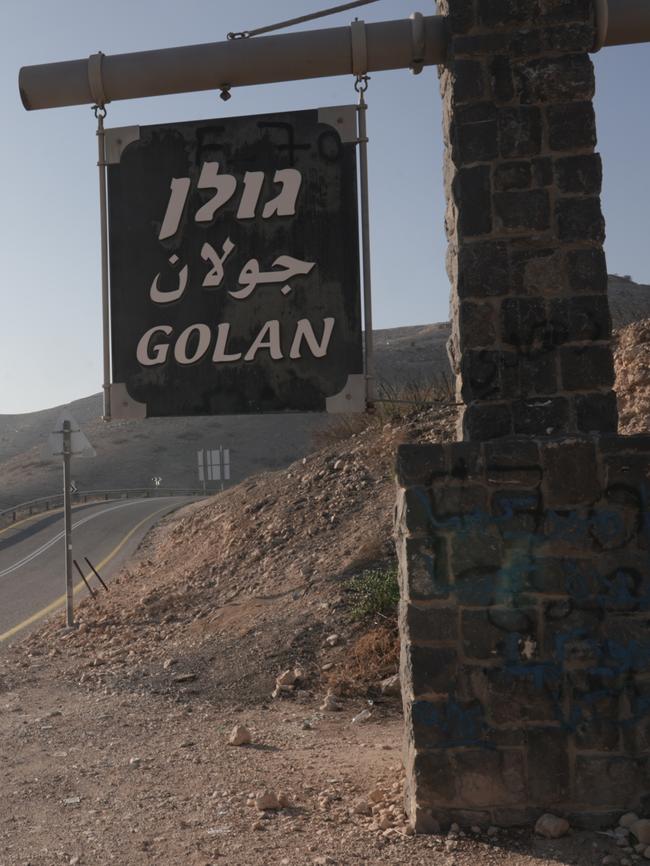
x=100 y=114
x=67 y=521
x=361 y=85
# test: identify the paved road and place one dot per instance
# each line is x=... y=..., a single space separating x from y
x=32 y=579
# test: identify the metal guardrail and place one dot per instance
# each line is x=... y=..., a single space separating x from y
x=54 y=501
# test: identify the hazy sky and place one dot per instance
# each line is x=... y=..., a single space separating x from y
x=50 y=328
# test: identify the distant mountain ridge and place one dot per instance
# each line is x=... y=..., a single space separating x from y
x=130 y=453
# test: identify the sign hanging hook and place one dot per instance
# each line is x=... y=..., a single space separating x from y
x=361 y=85
x=99 y=110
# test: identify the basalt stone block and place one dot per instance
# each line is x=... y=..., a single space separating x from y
x=420 y=464
x=435 y=778
x=500 y=78
x=430 y=624
x=424 y=568
x=537 y=271
x=466 y=460
x=584 y=368
x=524 y=696
x=555 y=79
x=596 y=413
x=541 y=416
x=579 y=174
x=523 y=210
x=580 y=219
x=469 y=81
x=475 y=142
x=587 y=271
x=414 y=509
x=459 y=500
x=597 y=721
x=523 y=321
x=489 y=375
x=487 y=421
x=542 y=171
x=513 y=175
x=538 y=374
x=571 y=126
x=572 y=37
x=515 y=453
x=613 y=782
x=485 y=43
x=471 y=188
x=580 y=11
x=506 y=13
x=520 y=131
x=477 y=324
x=571 y=475
x=483 y=270
x=433 y=669
x=447 y=723
x=479 y=546
x=581 y=319
x=525 y=43
x=490 y=778
x=574 y=638
x=595 y=820
x=484 y=636
x=477 y=586
x=548 y=766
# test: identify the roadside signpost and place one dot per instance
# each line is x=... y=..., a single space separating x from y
x=214 y=465
x=67 y=441
x=234 y=265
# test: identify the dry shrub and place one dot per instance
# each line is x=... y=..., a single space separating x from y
x=340 y=428
x=394 y=402
x=372 y=657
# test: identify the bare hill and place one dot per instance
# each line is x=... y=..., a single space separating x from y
x=129 y=454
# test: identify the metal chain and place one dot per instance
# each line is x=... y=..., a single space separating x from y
x=246 y=34
x=361 y=84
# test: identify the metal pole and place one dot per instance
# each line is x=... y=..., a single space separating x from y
x=100 y=113
x=369 y=354
x=211 y=66
x=67 y=523
x=222 y=466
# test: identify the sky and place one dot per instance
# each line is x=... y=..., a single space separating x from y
x=50 y=325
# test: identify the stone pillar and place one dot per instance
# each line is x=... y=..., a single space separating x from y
x=530 y=320
x=524 y=550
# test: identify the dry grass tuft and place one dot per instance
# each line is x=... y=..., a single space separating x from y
x=372 y=657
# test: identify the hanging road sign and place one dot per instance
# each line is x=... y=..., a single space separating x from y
x=235 y=265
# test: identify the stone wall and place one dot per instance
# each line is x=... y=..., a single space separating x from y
x=530 y=320
x=525 y=623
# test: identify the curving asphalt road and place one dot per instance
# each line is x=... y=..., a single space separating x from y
x=32 y=570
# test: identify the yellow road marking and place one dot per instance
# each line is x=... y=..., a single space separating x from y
x=60 y=601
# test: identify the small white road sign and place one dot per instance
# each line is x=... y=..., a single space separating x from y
x=79 y=444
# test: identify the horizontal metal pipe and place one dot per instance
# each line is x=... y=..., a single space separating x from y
x=262 y=60
x=267 y=59
x=628 y=22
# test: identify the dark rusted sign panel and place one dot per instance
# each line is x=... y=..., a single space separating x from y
x=234 y=265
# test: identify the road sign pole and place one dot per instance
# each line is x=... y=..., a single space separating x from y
x=222 y=467
x=67 y=511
